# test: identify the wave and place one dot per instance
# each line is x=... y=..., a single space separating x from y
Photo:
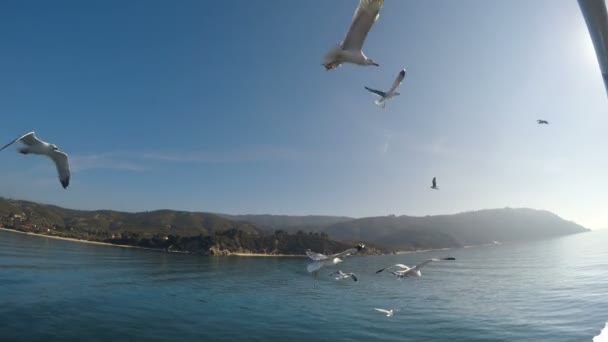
x=603 y=336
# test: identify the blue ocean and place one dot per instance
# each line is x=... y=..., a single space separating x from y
x=547 y=290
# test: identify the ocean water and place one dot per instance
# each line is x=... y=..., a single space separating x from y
x=548 y=290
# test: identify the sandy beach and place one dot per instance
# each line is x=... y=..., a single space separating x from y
x=75 y=240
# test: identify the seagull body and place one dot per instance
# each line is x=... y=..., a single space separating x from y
x=542 y=122
x=388 y=313
x=36 y=146
x=391 y=92
x=406 y=271
x=434 y=186
x=350 y=49
x=322 y=260
x=341 y=275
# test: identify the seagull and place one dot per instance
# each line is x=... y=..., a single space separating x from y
x=350 y=49
x=542 y=122
x=434 y=187
x=36 y=146
x=388 y=313
x=391 y=92
x=406 y=271
x=322 y=260
x=341 y=275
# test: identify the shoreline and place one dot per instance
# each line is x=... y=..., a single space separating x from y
x=425 y=250
x=77 y=240
x=258 y=255
x=243 y=255
x=98 y=243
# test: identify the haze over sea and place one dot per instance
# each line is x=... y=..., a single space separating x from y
x=546 y=290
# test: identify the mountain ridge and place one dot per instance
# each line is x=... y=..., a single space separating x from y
x=392 y=232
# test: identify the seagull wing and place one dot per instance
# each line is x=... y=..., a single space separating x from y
x=396 y=265
x=377 y=92
x=397 y=81
x=421 y=265
x=434 y=182
x=354 y=276
x=383 y=311
x=63 y=167
x=316 y=256
x=314 y=266
x=28 y=139
x=347 y=252
x=366 y=14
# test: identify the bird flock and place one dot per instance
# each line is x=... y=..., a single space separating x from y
x=399 y=270
x=349 y=50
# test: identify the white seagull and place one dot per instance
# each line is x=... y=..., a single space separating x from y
x=391 y=92
x=341 y=275
x=388 y=313
x=434 y=186
x=406 y=271
x=322 y=260
x=350 y=49
x=36 y=146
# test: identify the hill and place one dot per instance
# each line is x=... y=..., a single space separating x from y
x=282 y=234
x=175 y=231
x=292 y=224
x=470 y=228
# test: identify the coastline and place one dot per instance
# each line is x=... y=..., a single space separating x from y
x=243 y=255
x=144 y=248
x=424 y=250
x=76 y=240
x=257 y=255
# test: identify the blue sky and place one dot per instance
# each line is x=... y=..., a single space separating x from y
x=223 y=106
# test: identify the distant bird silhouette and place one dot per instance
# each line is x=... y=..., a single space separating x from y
x=542 y=122
x=434 y=187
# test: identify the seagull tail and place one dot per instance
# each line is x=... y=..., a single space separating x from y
x=380 y=103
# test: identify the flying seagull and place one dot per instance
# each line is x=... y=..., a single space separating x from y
x=388 y=313
x=542 y=122
x=350 y=49
x=391 y=92
x=322 y=260
x=406 y=271
x=341 y=275
x=434 y=186
x=36 y=146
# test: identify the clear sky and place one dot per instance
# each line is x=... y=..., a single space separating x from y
x=223 y=106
